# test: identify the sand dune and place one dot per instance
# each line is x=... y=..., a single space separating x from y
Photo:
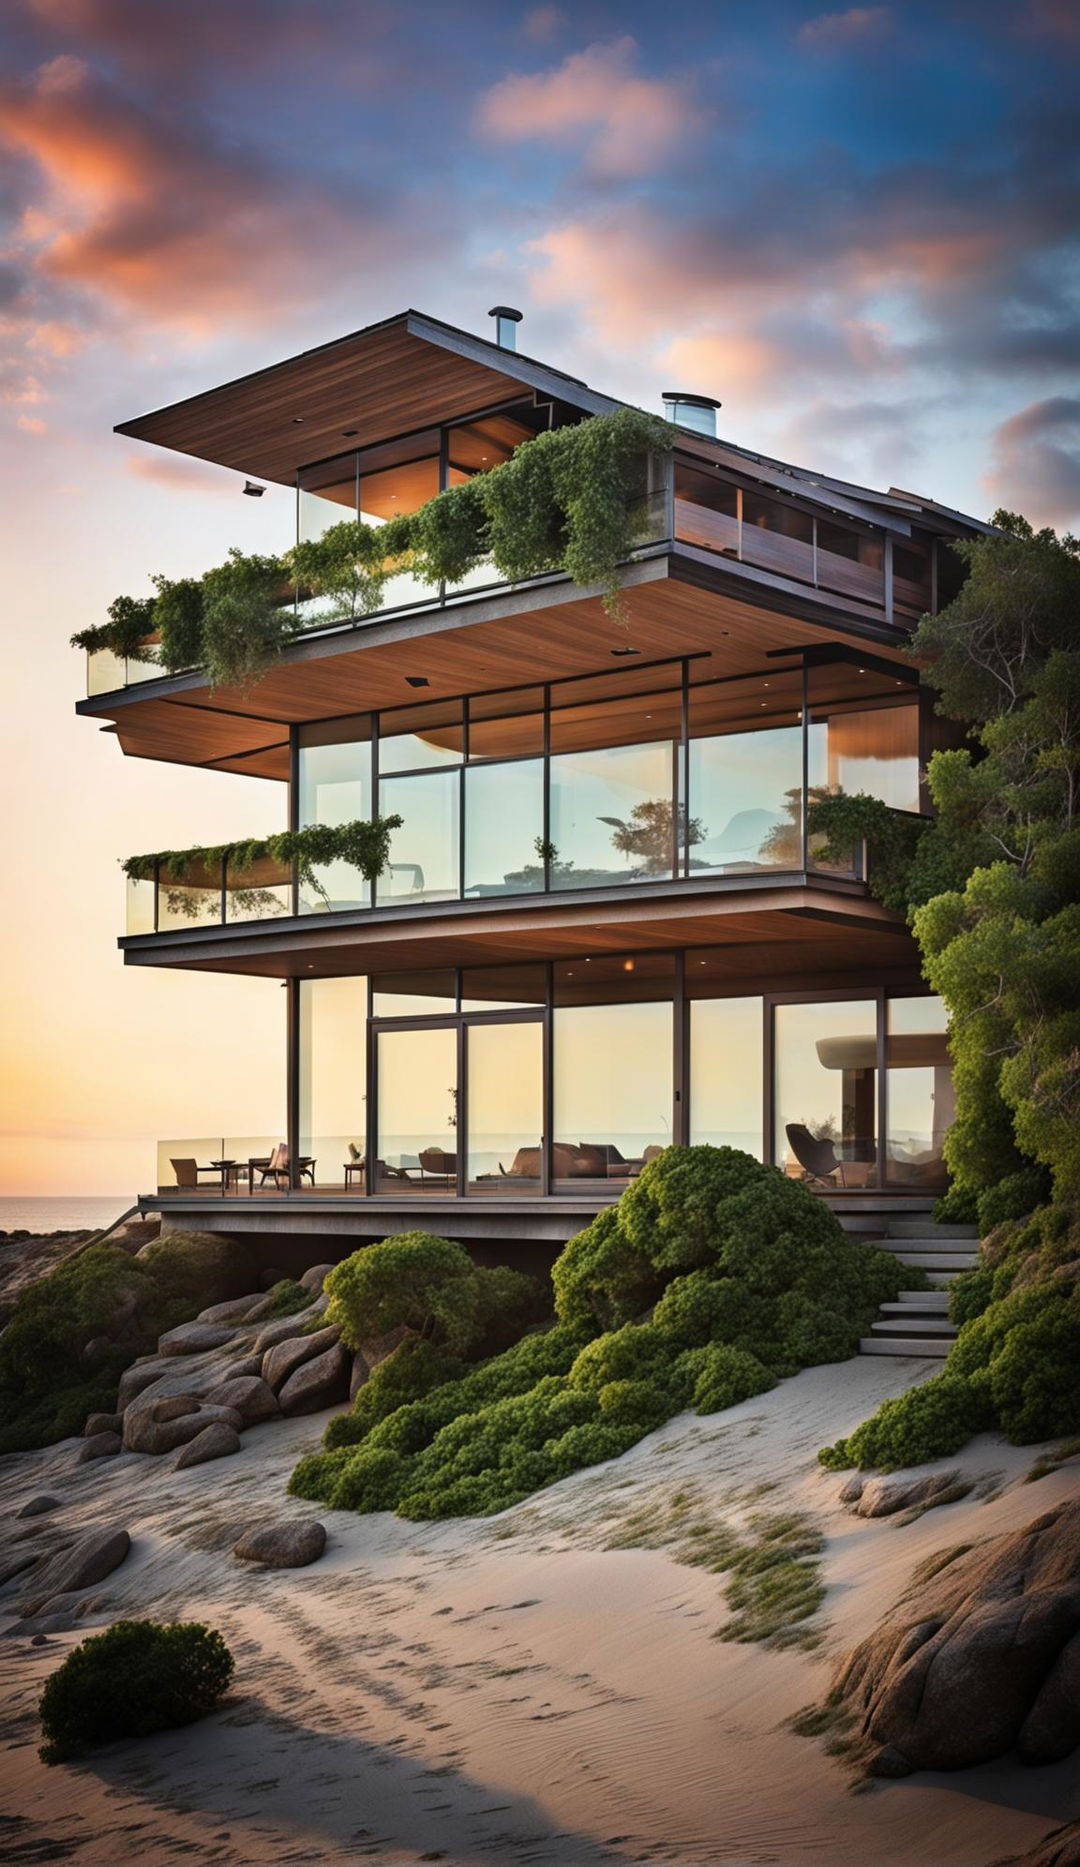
x=510 y=1689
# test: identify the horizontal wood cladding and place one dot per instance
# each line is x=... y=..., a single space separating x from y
x=791 y=931
x=516 y=639
x=379 y=383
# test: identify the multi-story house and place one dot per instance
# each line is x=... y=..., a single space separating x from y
x=604 y=925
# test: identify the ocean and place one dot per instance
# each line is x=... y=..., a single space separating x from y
x=72 y=1213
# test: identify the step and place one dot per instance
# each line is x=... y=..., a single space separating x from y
x=939 y=1260
x=914 y=1325
x=914 y=1227
x=911 y=1345
x=933 y=1302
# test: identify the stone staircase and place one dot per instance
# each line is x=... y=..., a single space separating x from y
x=918 y=1322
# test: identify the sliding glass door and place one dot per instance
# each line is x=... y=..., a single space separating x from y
x=505 y=1106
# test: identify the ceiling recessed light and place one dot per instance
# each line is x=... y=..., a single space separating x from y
x=417 y=680
x=628 y=965
x=297 y=419
x=626 y=651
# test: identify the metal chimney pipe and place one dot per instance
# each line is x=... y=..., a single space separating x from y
x=691 y=411
x=506 y=318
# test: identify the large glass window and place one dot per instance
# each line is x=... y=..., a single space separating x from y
x=333 y=1079
x=864 y=733
x=507 y=725
x=919 y=1093
x=504 y=828
x=418 y=1111
x=506 y=1102
x=612 y=813
x=327 y=494
x=726 y=1089
x=502 y=988
x=414 y=994
x=613 y=1068
x=745 y=763
x=335 y=788
x=826 y=1092
x=413 y=738
x=424 y=852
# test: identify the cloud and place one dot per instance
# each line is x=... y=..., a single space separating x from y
x=1036 y=462
x=629 y=124
x=144 y=207
x=543 y=22
x=32 y=424
x=858 y=24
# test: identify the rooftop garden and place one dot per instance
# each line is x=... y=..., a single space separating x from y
x=573 y=501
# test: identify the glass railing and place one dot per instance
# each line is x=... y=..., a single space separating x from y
x=106 y=672
x=210 y=895
x=259 y=1166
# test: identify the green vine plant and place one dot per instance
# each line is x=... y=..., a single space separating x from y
x=574 y=500
x=364 y=845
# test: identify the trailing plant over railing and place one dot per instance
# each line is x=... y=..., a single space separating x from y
x=364 y=845
x=573 y=500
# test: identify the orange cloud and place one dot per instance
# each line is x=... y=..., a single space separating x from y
x=630 y=124
x=32 y=424
x=1036 y=462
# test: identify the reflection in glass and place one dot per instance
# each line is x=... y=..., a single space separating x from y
x=726 y=1060
x=851 y=561
x=327 y=495
x=335 y=788
x=613 y=1089
x=418 y=1111
x=414 y=994
x=504 y=828
x=826 y=1092
x=507 y=725
x=777 y=536
x=333 y=1079
x=140 y=906
x=611 y=815
x=920 y=1100
x=424 y=854
x=706 y=511
x=502 y=988
x=397 y=477
x=506 y=1101
x=413 y=738
x=746 y=801
x=258 y=893
x=192 y=899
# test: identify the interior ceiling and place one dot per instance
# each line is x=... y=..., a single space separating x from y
x=662 y=618
x=775 y=933
x=366 y=388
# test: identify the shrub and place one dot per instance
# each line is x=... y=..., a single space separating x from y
x=1012 y=1198
x=200 y=1267
x=288 y=1298
x=928 y=1422
x=136 y=1678
x=959 y=1206
x=724 y=1375
x=970 y=1294
x=431 y=1285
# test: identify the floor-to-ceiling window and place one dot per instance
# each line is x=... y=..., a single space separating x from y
x=613 y=1067
x=920 y=1100
x=417 y=1146
x=334 y=765
x=726 y=1065
x=505 y=1106
x=332 y=1080
x=825 y=1110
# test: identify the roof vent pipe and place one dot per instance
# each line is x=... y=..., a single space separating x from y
x=505 y=320
x=691 y=411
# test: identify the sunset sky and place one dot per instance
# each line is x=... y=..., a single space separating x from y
x=853 y=227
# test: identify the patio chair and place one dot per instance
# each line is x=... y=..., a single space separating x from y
x=187 y=1172
x=818 y=1159
x=438 y=1164
x=276 y=1167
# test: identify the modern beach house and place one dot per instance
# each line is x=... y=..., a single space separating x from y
x=605 y=924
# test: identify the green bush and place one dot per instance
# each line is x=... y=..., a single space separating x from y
x=136 y=1678
x=928 y=1422
x=959 y=1206
x=751 y=1277
x=430 y=1285
x=1012 y=1198
x=970 y=1294
x=288 y=1298
x=200 y=1267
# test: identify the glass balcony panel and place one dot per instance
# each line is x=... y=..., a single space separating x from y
x=424 y=852
x=777 y=537
x=826 y=1092
x=506 y=725
x=706 y=511
x=327 y=494
x=415 y=738
x=416 y=1152
x=192 y=899
x=335 y=788
x=333 y=1079
x=140 y=906
x=414 y=994
x=222 y=1166
x=105 y=672
x=919 y=1095
x=503 y=988
x=506 y=1107
x=864 y=737
x=504 y=828
x=186 y=1165
x=612 y=816
x=851 y=562
x=726 y=1065
x=745 y=774
x=263 y=892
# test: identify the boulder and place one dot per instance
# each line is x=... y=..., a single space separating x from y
x=359 y=1374
x=376 y=1348
x=235 y=1310
x=97 y=1349
x=1060 y=1848
x=283 y=1545
x=99 y=1446
x=216 y=1441
x=283 y=1329
x=159 y=1425
x=322 y=1382
x=851 y=1490
x=284 y=1359
x=37 y=1506
x=249 y=1396
x=197 y=1375
x=263 y=1306
x=89 y=1560
x=315 y=1278
x=883 y=1497
x=134 y=1380
x=194 y=1338
x=982 y=1657
x=101 y=1423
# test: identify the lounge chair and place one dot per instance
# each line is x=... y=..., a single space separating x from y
x=818 y=1159
x=187 y=1173
x=276 y=1167
x=438 y=1164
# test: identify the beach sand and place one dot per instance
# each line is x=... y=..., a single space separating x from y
x=508 y=1689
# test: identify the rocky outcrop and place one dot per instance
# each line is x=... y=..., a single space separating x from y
x=285 y=1328
x=376 y=1348
x=982 y=1657
x=99 y=1446
x=283 y=1545
x=321 y=1382
x=315 y=1278
x=216 y=1441
x=898 y=1491
x=284 y=1359
x=101 y=1423
x=234 y=1311
x=37 y=1506
x=194 y=1338
x=249 y=1396
x=89 y=1560
x=160 y=1425
x=1060 y=1848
